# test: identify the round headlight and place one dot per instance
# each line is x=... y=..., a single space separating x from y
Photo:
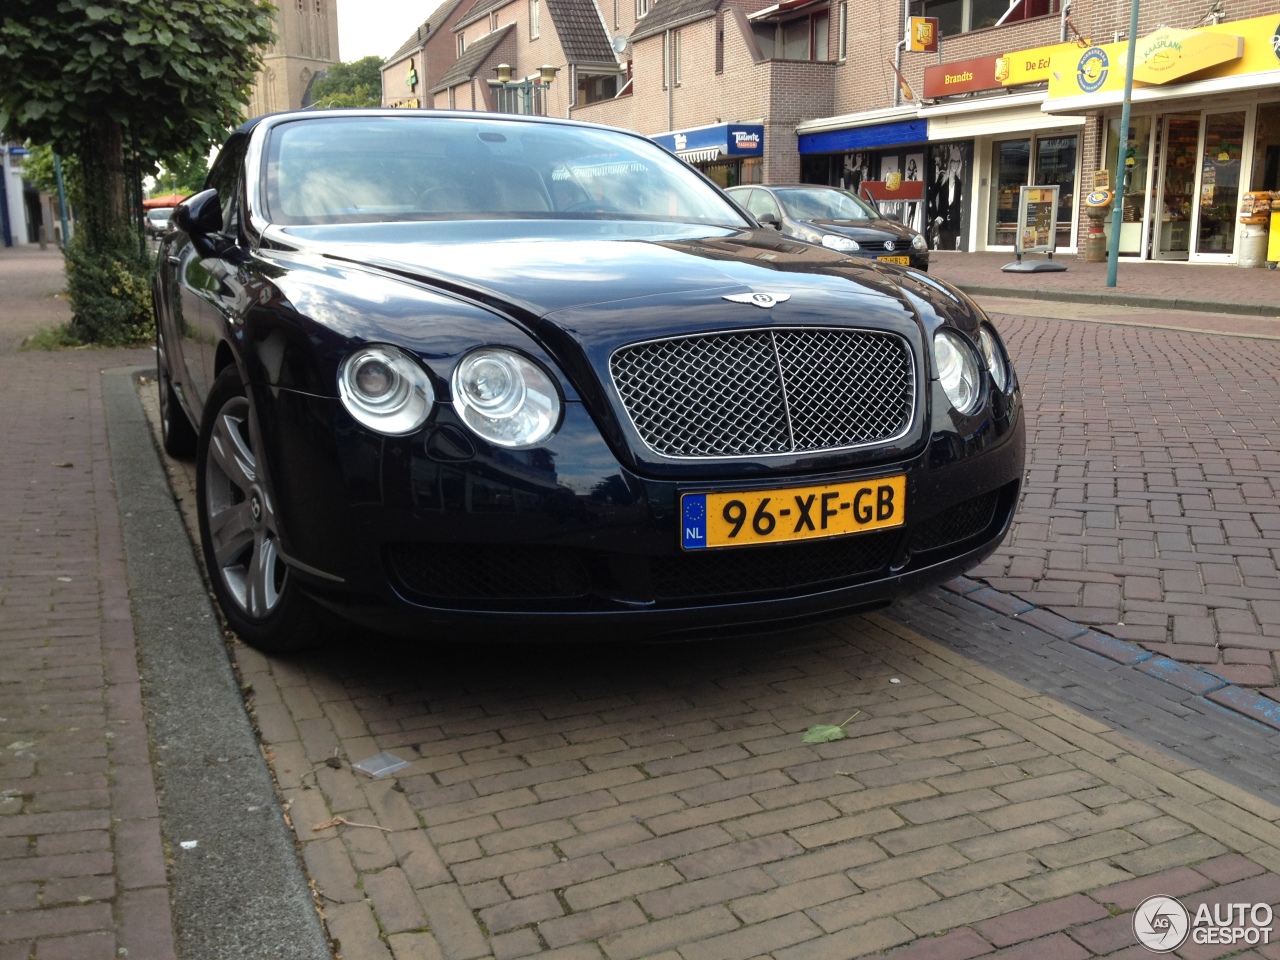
x=384 y=389
x=994 y=357
x=918 y=242
x=957 y=370
x=504 y=398
x=843 y=244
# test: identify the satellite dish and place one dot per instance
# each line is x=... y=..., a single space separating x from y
x=619 y=43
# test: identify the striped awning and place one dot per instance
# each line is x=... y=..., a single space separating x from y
x=700 y=156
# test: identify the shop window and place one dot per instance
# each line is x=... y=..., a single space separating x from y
x=961 y=16
x=1266 y=152
x=799 y=38
x=593 y=88
x=1043 y=162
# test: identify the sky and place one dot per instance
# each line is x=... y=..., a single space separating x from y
x=378 y=27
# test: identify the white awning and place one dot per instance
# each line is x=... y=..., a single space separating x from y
x=699 y=156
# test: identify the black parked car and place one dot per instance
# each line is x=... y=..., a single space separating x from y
x=541 y=378
x=836 y=219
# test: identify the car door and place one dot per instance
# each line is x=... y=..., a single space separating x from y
x=761 y=204
x=207 y=282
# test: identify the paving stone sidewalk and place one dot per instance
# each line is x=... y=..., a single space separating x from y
x=1151 y=509
x=82 y=872
x=1203 y=287
x=588 y=803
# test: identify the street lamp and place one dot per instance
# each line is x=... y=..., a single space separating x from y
x=528 y=90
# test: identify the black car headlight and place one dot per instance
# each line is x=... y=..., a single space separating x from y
x=958 y=370
x=505 y=398
x=993 y=354
x=385 y=389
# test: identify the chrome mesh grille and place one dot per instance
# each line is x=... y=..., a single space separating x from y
x=767 y=391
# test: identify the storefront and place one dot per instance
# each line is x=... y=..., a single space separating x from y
x=973 y=154
x=885 y=156
x=1204 y=128
x=728 y=153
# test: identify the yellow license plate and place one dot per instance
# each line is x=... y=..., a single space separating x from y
x=791 y=513
x=900 y=261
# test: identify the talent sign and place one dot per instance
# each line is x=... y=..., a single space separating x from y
x=922 y=34
x=1037 y=219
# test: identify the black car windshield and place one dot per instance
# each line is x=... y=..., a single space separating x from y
x=824 y=204
x=379 y=169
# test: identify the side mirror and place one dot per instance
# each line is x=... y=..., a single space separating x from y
x=769 y=220
x=198 y=217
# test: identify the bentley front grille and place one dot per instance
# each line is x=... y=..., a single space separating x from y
x=761 y=392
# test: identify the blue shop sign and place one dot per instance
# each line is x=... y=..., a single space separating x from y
x=730 y=139
x=864 y=138
x=19 y=152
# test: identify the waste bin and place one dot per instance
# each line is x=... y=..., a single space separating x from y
x=1251 y=241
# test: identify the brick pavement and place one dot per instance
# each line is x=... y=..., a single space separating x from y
x=659 y=802
x=82 y=872
x=1152 y=503
x=1235 y=289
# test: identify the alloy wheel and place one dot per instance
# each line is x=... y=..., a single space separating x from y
x=242 y=523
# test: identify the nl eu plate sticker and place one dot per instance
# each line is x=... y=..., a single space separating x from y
x=693 y=516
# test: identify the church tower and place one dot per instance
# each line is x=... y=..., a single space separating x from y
x=306 y=43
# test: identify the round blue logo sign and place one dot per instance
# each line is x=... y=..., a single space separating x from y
x=1092 y=72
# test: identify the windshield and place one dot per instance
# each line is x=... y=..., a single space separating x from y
x=807 y=204
x=380 y=169
x=160 y=213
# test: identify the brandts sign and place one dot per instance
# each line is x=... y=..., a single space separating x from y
x=965 y=76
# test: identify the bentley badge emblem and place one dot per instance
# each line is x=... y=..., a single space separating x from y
x=888 y=244
x=765 y=300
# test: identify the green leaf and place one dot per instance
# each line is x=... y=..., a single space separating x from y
x=96 y=13
x=823 y=733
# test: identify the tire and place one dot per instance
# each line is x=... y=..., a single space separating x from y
x=177 y=435
x=240 y=532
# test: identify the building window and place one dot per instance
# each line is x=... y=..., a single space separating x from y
x=534 y=25
x=462 y=43
x=799 y=38
x=720 y=42
x=842 y=43
x=592 y=88
x=961 y=16
x=642 y=8
x=677 y=62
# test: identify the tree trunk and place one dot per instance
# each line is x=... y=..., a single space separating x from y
x=102 y=167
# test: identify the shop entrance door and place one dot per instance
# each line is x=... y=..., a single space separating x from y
x=1221 y=158
x=1179 y=148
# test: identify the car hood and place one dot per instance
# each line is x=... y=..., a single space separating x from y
x=864 y=229
x=541 y=270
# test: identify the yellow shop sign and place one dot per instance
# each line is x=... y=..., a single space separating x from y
x=1029 y=66
x=1168 y=54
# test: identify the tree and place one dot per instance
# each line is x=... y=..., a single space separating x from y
x=354 y=84
x=117 y=84
x=184 y=173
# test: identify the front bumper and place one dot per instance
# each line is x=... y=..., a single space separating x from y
x=406 y=534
